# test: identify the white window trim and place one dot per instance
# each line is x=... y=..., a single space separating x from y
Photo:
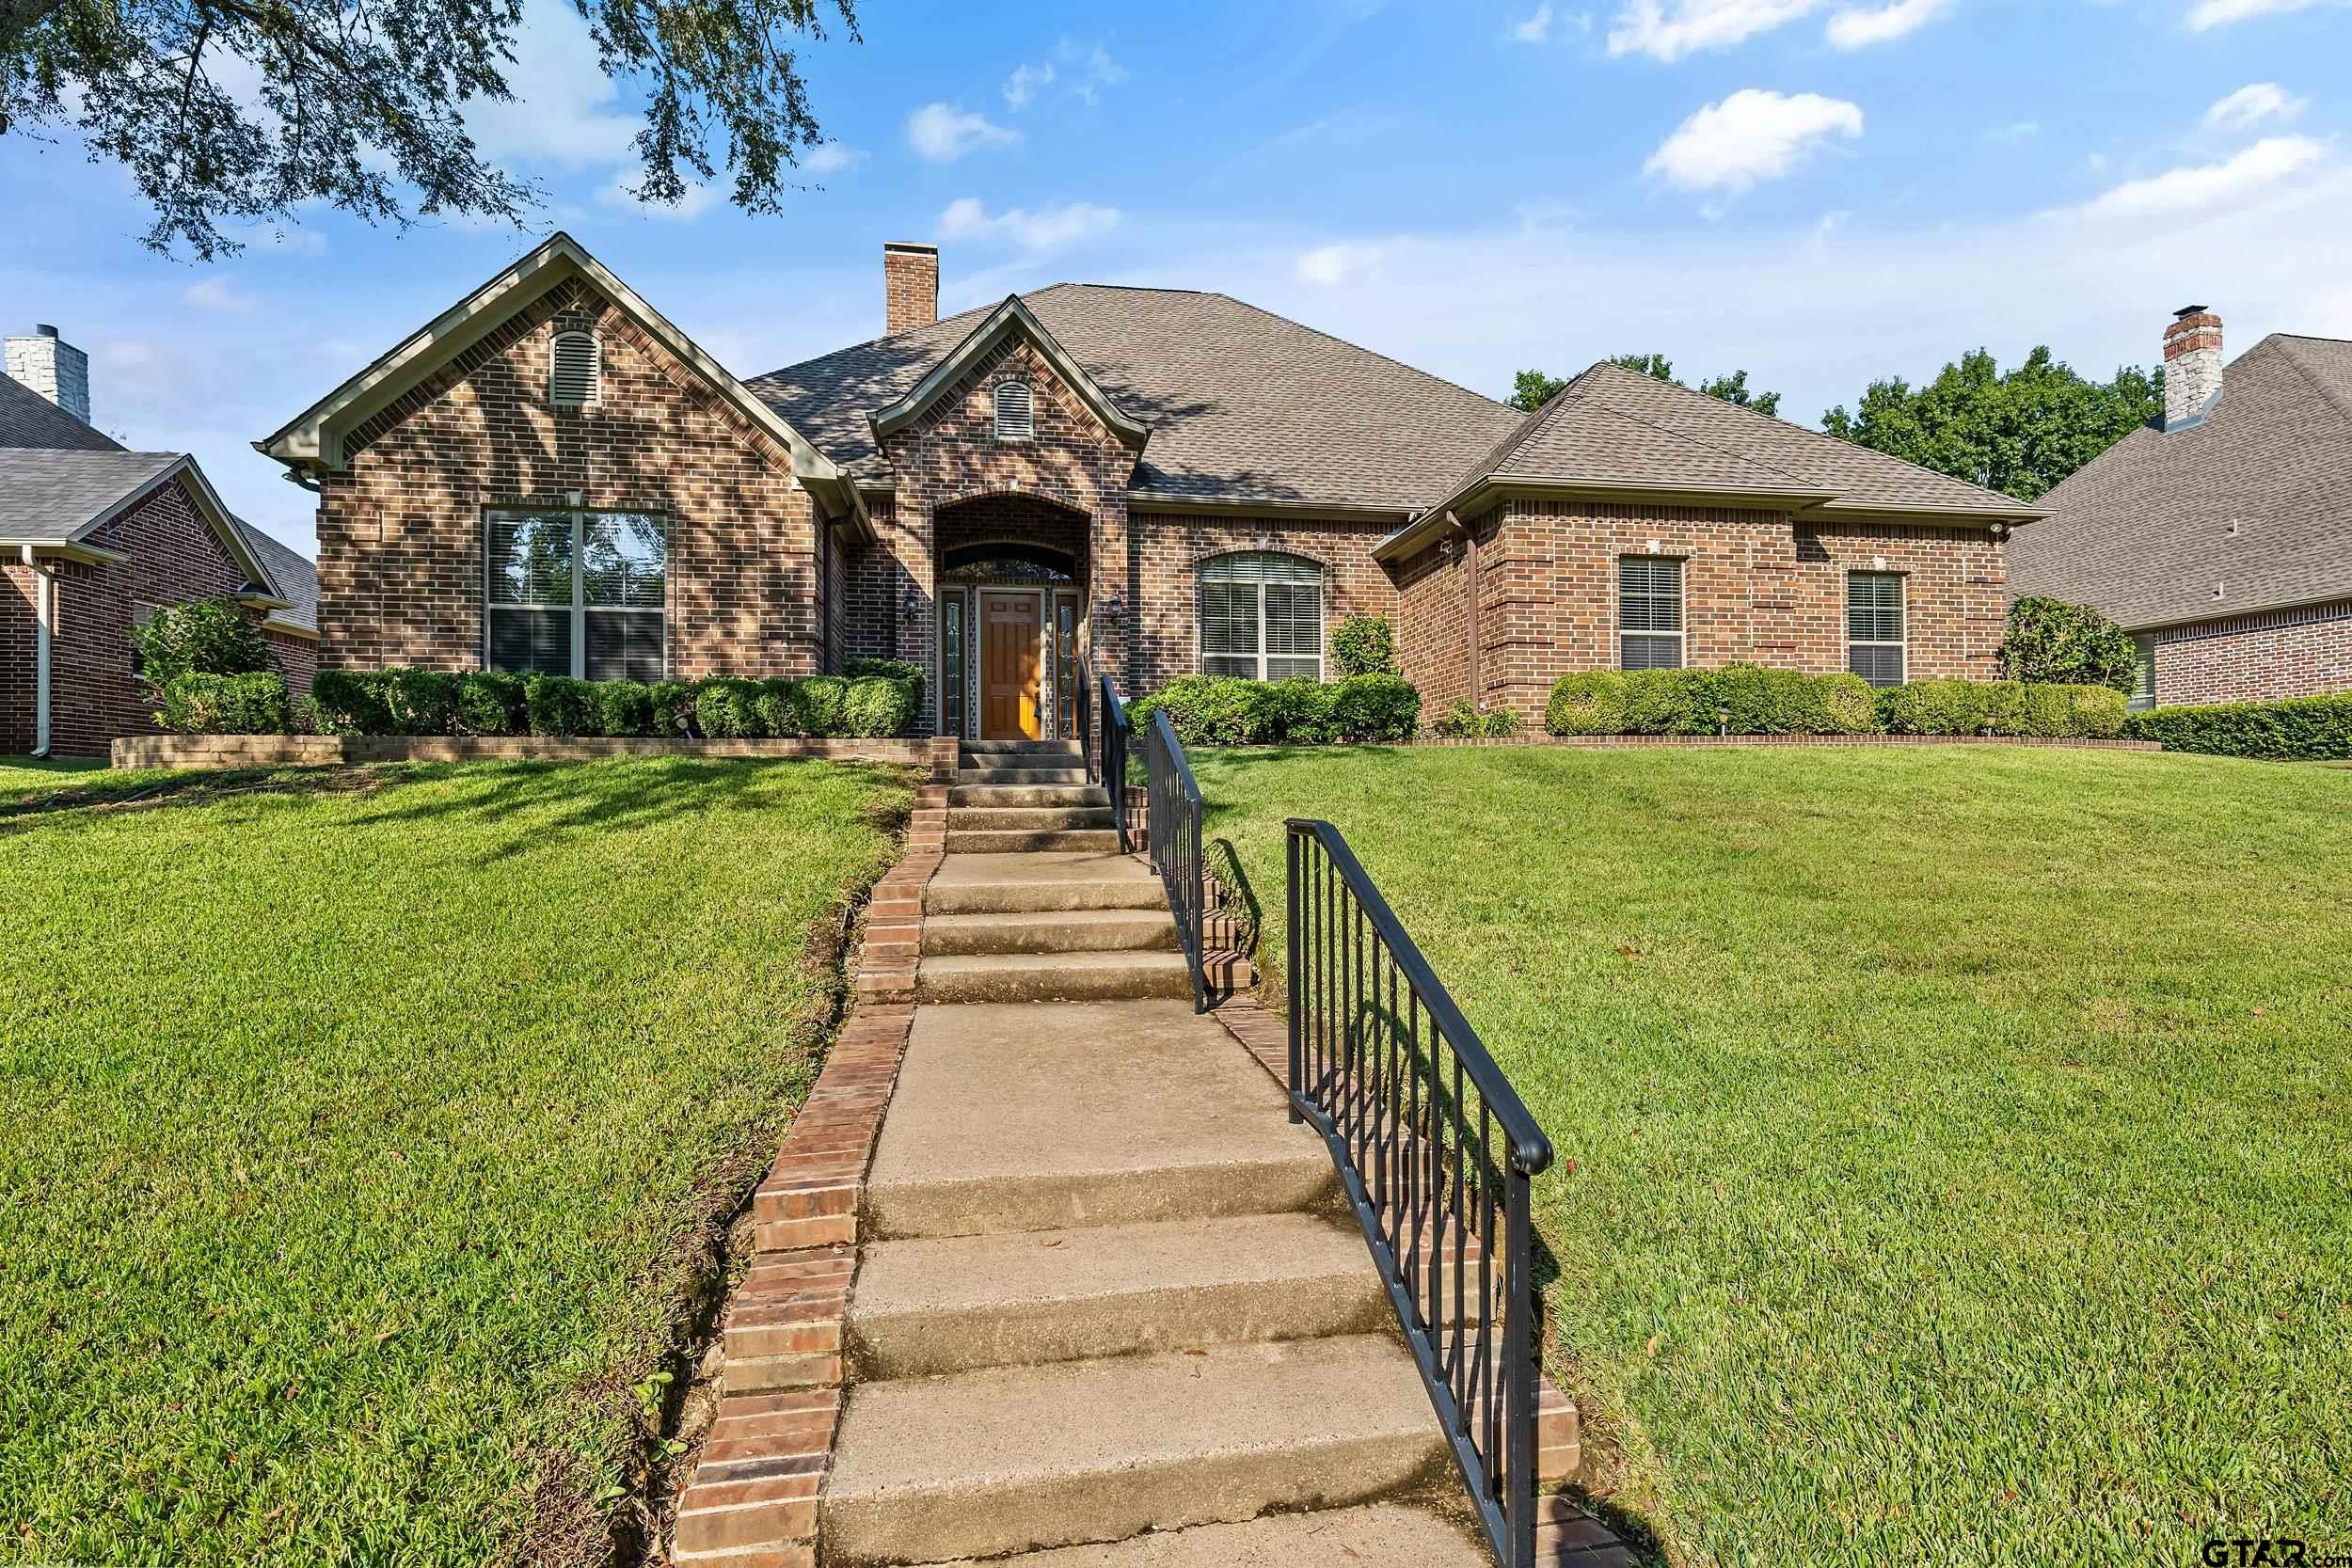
x=1682 y=604
x=1903 y=610
x=579 y=607
x=2149 y=642
x=1201 y=656
x=595 y=369
x=996 y=409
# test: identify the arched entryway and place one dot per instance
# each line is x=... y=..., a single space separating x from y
x=1011 y=598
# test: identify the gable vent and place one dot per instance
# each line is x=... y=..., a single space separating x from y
x=576 y=376
x=1016 y=416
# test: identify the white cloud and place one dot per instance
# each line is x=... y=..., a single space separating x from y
x=2209 y=14
x=1669 y=29
x=1532 y=29
x=1334 y=266
x=2251 y=106
x=1860 y=29
x=943 y=133
x=563 y=114
x=216 y=294
x=1754 y=134
x=621 y=194
x=1023 y=84
x=1047 y=228
x=831 y=158
x=2195 y=188
x=1093 y=67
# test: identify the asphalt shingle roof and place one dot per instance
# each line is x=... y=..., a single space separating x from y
x=2143 y=531
x=29 y=420
x=1243 y=405
x=1613 y=425
x=46 y=495
x=296 y=577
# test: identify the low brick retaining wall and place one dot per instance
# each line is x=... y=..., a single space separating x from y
x=330 y=750
x=1609 y=742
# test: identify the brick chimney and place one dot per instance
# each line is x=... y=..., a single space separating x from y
x=54 y=368
x=910 y=286
x=2192 y=366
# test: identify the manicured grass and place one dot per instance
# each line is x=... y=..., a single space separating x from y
x=357 y=1145
x=1957 y=1135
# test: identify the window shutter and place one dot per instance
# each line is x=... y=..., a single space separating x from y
x=576 y=373
x=1016 y=416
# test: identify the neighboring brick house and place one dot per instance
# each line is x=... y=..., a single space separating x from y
x=1136 y=482
x=92 y=540
x=2222 y=540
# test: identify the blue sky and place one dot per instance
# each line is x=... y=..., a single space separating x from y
x=1818 y=191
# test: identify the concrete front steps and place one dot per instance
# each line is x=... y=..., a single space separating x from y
x=1017 y=797
x=1088 y=925
x=1111 y=1311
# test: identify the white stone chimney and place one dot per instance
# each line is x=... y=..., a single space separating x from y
x=2192 y=367
x=54 y=368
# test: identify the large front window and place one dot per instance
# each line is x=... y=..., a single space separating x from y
x=577 y=594
x=1262 y=617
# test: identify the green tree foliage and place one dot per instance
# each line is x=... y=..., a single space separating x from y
x=1364 y=645
x=204 y=637
x=2020 y=433
x=1532 y=390
x=2069 y=644
x=245 y=111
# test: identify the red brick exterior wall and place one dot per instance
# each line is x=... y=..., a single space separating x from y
x=1170 y=548
x=2257 y=658
x=298 y=656
x=401 y=570
x=1758 y=587
x=93 y=696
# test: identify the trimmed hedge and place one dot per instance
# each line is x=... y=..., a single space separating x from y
x=1746 y=699
x=722 y=707
x=2296 y=729
x=1463 y=722
x=200 y=704
x=1228 y=710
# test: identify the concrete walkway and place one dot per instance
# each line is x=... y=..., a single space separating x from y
x=1110 y=1313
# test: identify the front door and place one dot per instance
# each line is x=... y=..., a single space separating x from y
x=1010 y=668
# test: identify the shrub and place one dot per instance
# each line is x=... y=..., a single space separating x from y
x=1949 y=707
x=197 y=702
x=561 y=706
x=353 y=702
x=861 y=665
x=1749 y=699
x=423 y=702
x=1364 y=645
x=777 y=710
x=202 y=636
x=2297 y=729
x=492 y=703
x=879 y=706
x=1589 y=701
x=624 y=707
x=673 y=705
x=2051 y=642
x=1667 y=702
x=820 y=704
x=1205 y=711
x=2069 y=712
x=1294 y=712
x=1463 y=722
x=1376 y=708
x=724 y=709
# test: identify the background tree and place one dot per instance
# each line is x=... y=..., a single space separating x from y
x=2020 y=434
x=241 y=111
x=1532 y=390
x=2067 y=644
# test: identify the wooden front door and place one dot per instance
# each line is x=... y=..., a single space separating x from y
x=1010 y=668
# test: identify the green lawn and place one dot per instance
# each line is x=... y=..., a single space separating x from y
x=1959 y=1135
x=359 y=1144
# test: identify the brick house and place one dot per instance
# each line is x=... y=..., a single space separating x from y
x=1140 y=481
x=2222 y=540
x=92 y=540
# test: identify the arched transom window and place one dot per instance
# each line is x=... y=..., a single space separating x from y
x=1262 y=616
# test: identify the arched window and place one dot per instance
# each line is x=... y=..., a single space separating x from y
x=1016 y=416
x=1262 y=616
x=575 y=370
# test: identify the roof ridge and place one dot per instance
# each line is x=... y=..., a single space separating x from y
x=2335 y=399
x=1747 y=458
x=1343 y=342
x=1825 y=436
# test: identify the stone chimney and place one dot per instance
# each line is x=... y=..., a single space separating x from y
x=2192 y=367
x=54 y=368
x=910 y=286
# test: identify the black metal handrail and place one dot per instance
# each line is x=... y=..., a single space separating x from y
x=1106 y=764
x=1433 y=1146
x=1173 y=834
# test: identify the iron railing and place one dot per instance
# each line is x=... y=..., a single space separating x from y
x=1437 y=1152
x=1172 y=835
x=1107 y=759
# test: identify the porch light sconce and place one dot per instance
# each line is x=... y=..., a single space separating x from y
x=1114 y=607
x=912 y=605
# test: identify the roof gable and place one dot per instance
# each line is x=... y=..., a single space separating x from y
x=1008 y=319
x=2248 y=510
x=56 y=501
